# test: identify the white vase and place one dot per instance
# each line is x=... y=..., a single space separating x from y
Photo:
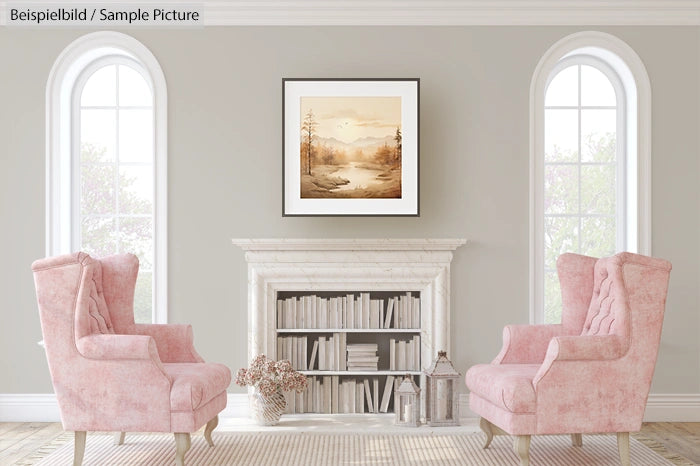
x=266 y=410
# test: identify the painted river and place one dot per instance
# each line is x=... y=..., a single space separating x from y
x=358 y=177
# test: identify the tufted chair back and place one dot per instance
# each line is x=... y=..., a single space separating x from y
x=91 y=312
x=608 y=311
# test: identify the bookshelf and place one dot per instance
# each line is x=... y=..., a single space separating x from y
x=353 y=346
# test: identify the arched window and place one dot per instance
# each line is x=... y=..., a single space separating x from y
x=590 y=100
x=106 y=159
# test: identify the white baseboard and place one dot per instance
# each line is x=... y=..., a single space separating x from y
x=683 y=407
x=39 y=407
x=42 y=407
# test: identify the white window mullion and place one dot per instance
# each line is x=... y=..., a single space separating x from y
x=580 y=158
x=117 y=223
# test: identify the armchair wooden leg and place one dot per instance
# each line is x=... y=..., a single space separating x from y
x=486 y=427
x=119 y=438
x=577 y=440
x=182 y=443
x=623 y=446
x=211 y=425
x=79 y=447
x=521 y=445
x=490 y=430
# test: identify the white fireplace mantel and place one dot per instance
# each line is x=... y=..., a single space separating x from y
x=349 y=265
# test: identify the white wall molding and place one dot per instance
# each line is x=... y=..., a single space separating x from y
x=42 y=407
x=29 y=407
x=431 y=12
x=683 y=407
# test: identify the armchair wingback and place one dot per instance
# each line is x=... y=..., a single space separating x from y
x=592 y=372
x=111 y=374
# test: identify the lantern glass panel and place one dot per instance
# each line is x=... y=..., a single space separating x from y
x=444 y=399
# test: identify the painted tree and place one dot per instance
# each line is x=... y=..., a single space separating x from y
x=397 y=150
x=385 y=155
x=308 y=131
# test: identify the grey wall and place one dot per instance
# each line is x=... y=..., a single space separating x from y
x=225 y=169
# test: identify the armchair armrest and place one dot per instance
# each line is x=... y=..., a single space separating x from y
x=526 y=344
x=114 y=347
x=175 y=342
x=581 y=349
x=585 y=347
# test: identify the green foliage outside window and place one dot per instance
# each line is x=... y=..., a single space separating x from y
x=580 y=209
x=114 y=218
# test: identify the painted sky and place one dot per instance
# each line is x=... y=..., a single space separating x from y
x=350 y=118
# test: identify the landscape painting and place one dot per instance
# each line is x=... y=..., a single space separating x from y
x=350 y=147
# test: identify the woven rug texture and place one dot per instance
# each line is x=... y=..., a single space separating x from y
x=310 y=449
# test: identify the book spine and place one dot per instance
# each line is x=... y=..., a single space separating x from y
x=280 y=314
x=381 y=313
x=416 y=313
x=389 y=313
x=343 y=312
x=409 y=310
x=365 y=310
x=343 y=352
x=351 y=311
x=327 y=394
x=386 y=397
x=322 y=354
x=368 y=396
x=334 y=394
x=401 y=365
x=375 y=386
x=416 y=353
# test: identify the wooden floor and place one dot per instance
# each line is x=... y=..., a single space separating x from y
x=19 y=441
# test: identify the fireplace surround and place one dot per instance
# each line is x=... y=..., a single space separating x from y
x=349 y=265
x=276 y=265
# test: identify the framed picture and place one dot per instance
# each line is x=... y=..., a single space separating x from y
x=350 y=147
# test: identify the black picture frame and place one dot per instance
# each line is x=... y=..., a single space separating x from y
x=364 y=156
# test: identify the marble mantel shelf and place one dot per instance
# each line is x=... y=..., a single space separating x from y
x=360 y=244
x=322 y=264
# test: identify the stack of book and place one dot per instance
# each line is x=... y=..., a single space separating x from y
x=362 y=357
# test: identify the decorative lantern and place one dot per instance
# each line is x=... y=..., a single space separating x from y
x=407 y=403
x=442 y=400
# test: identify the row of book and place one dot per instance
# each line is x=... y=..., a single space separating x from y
x=404 y=354
x=331 y=395
x=348 y=311
x=333 y=353
x=327 y=353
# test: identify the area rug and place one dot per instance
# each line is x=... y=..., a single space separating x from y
x=307 y=449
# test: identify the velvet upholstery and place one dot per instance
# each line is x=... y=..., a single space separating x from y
x=592 y=372
x=110 y=374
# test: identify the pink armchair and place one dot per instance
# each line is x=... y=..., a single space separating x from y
x=110 y=374
x=592 y=372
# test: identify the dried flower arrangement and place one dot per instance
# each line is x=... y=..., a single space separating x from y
x=269 y=376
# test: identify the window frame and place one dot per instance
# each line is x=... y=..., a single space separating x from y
x=620 y=61
x=64 y=85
